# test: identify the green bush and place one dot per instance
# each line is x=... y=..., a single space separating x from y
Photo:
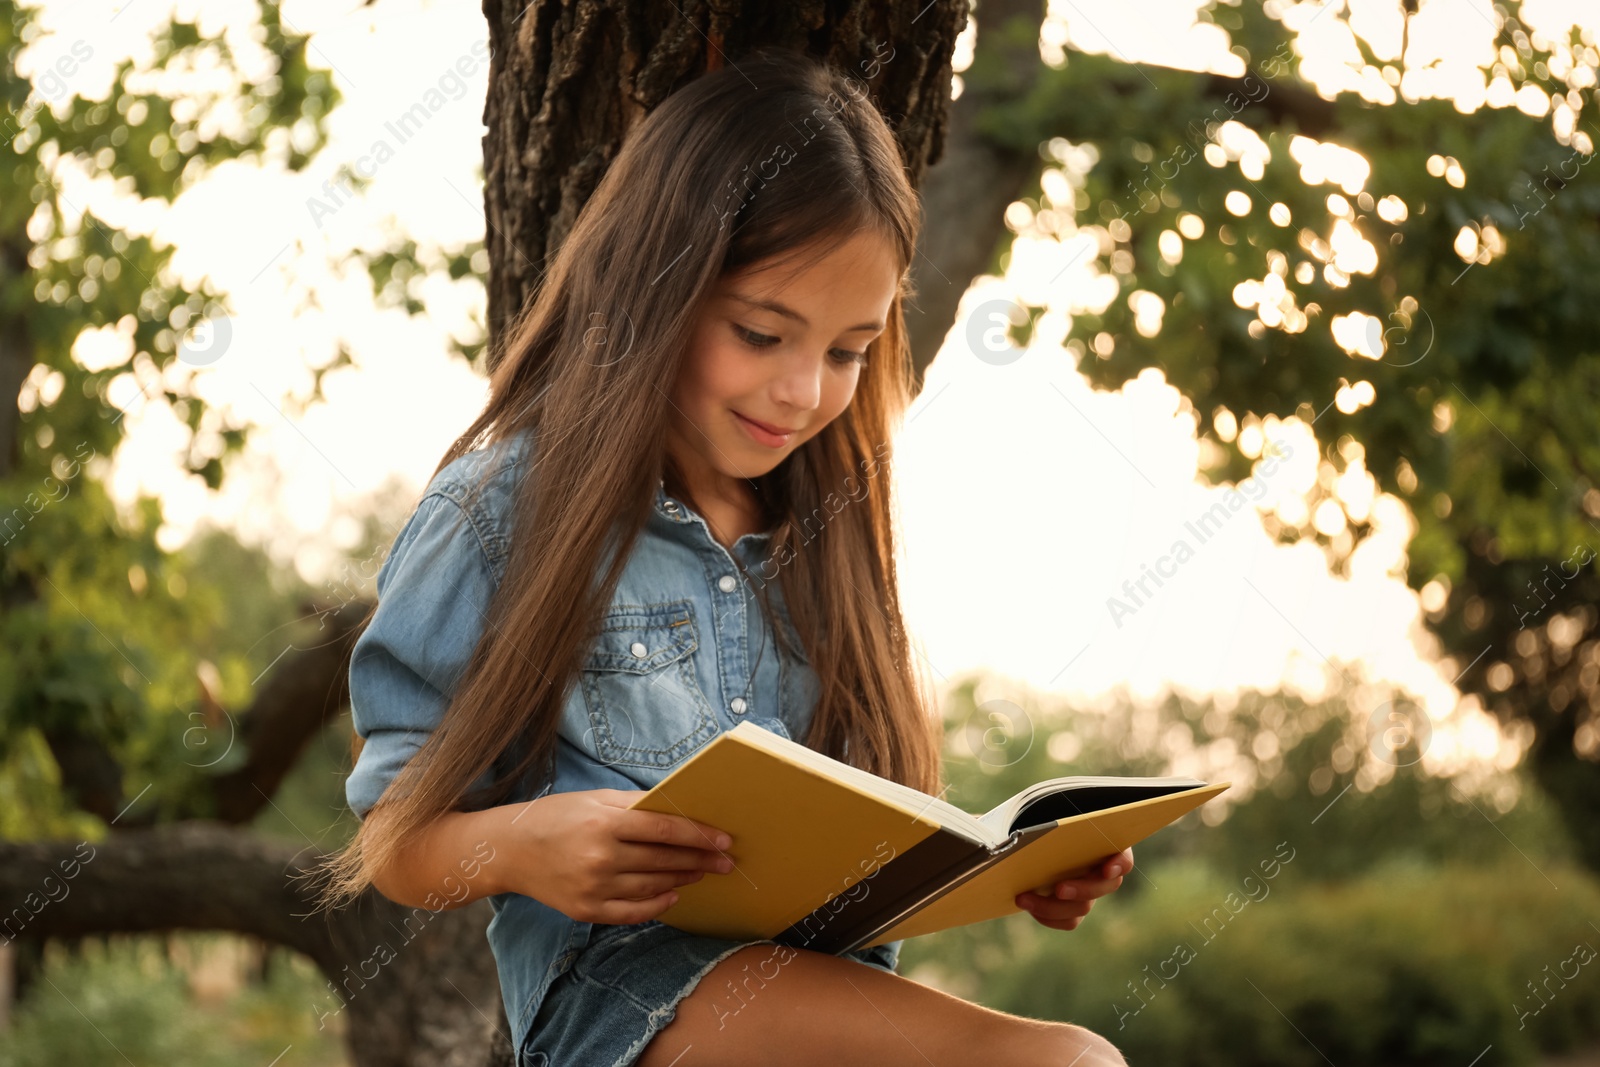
x=124 y=1002
x=1408 y=965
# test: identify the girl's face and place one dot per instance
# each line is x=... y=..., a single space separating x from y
x=775 y=357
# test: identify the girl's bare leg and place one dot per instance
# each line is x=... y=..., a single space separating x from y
x=784 y=1007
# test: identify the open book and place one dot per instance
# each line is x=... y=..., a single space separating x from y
x=833 y=858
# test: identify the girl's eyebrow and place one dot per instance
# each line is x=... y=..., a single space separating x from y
x=790 y=313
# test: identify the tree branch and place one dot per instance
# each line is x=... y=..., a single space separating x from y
x=307 y=691
x=966 y=193
x=402 y=972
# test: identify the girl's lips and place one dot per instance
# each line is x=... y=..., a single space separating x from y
x=762 y=433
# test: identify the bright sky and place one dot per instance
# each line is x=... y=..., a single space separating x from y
x=1027 y=499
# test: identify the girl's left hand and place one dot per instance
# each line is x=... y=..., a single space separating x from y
x=1075 y=892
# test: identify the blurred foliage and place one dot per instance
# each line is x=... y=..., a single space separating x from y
x=1415 y=284
x=1286 y=792
x=1514 y=333
x=94 y=607
x=398 y=272
x=1288 y=759
x=109 y=643
x=163 y=715
x=124 y=1001
x=1410 y=964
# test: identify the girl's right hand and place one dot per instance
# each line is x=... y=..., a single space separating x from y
x=587 y=855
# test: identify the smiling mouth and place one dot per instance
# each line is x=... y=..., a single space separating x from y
x=767 y=426
x=764 y=433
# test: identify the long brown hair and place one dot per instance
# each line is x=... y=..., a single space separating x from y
x=764 y=162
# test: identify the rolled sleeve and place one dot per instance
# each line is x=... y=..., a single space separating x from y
x=434 y=591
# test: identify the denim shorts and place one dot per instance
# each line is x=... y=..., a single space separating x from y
x=624 y=987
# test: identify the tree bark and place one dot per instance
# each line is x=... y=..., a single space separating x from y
x=568 y=80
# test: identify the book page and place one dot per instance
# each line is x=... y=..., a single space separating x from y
x=1070 y=844
x=1096 y=791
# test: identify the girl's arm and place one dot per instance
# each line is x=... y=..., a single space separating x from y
x=455 y=860
x=583 y=852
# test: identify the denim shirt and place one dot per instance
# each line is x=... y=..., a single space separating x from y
x=683 y=653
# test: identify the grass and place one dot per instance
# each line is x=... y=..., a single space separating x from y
x=131 y=1000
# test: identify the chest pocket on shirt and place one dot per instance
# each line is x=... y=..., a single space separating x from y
x=646 y=708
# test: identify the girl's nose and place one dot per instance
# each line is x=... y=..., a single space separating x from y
x=800 y=384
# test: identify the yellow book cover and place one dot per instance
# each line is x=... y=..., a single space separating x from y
x=833 y=858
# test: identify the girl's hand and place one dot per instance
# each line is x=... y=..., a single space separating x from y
x=1075 y=892
x=587 y=855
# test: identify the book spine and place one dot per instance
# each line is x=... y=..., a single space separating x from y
x=953 y=880
x=854 y=916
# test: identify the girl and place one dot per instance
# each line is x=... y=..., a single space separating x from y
x=673 y=516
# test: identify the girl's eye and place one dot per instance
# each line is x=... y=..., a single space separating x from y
x=761 y=340
x=753 y=339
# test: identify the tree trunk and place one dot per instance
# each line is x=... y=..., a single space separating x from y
x=568 y=80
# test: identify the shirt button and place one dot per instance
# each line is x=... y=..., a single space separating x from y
x=737 y=704
x=727 y=583
x=638 y=649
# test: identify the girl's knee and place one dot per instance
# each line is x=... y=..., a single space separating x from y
x=1080 y=1047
